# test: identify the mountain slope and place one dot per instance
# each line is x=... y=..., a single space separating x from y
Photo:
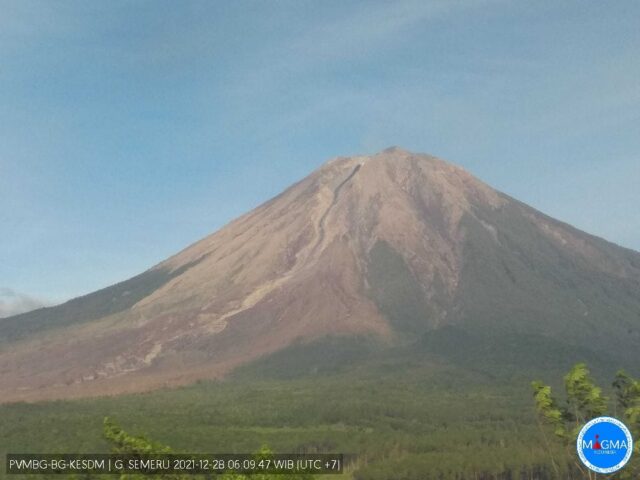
x=397 y=247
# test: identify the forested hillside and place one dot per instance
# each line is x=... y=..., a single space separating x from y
x=393 y=420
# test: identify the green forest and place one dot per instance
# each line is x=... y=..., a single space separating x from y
x=391 y=422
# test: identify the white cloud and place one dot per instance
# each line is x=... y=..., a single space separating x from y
x=13 y=303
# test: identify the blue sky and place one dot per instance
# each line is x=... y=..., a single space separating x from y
x=130 y=129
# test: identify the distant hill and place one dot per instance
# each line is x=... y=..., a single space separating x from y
x=395 y=252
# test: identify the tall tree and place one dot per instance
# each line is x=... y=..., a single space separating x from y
x=122 y=442
x=585 y=401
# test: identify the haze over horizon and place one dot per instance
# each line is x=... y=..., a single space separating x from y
x=129 y=131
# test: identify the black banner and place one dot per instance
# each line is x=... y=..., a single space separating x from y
x=159 y=464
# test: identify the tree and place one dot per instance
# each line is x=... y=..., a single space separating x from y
x=585 y=401
x=627 y=391
x=123 y=443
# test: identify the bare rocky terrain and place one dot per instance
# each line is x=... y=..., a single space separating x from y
x=397 y=246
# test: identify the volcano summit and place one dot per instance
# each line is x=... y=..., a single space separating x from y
x=399 y=248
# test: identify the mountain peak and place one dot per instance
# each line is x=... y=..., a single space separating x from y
x=393 y=161
x=391 y=153
x=395 y=245
x=394 y=149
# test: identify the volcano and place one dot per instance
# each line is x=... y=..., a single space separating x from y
x=405 y=250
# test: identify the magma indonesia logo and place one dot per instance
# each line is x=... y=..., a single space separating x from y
x=605 y=445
